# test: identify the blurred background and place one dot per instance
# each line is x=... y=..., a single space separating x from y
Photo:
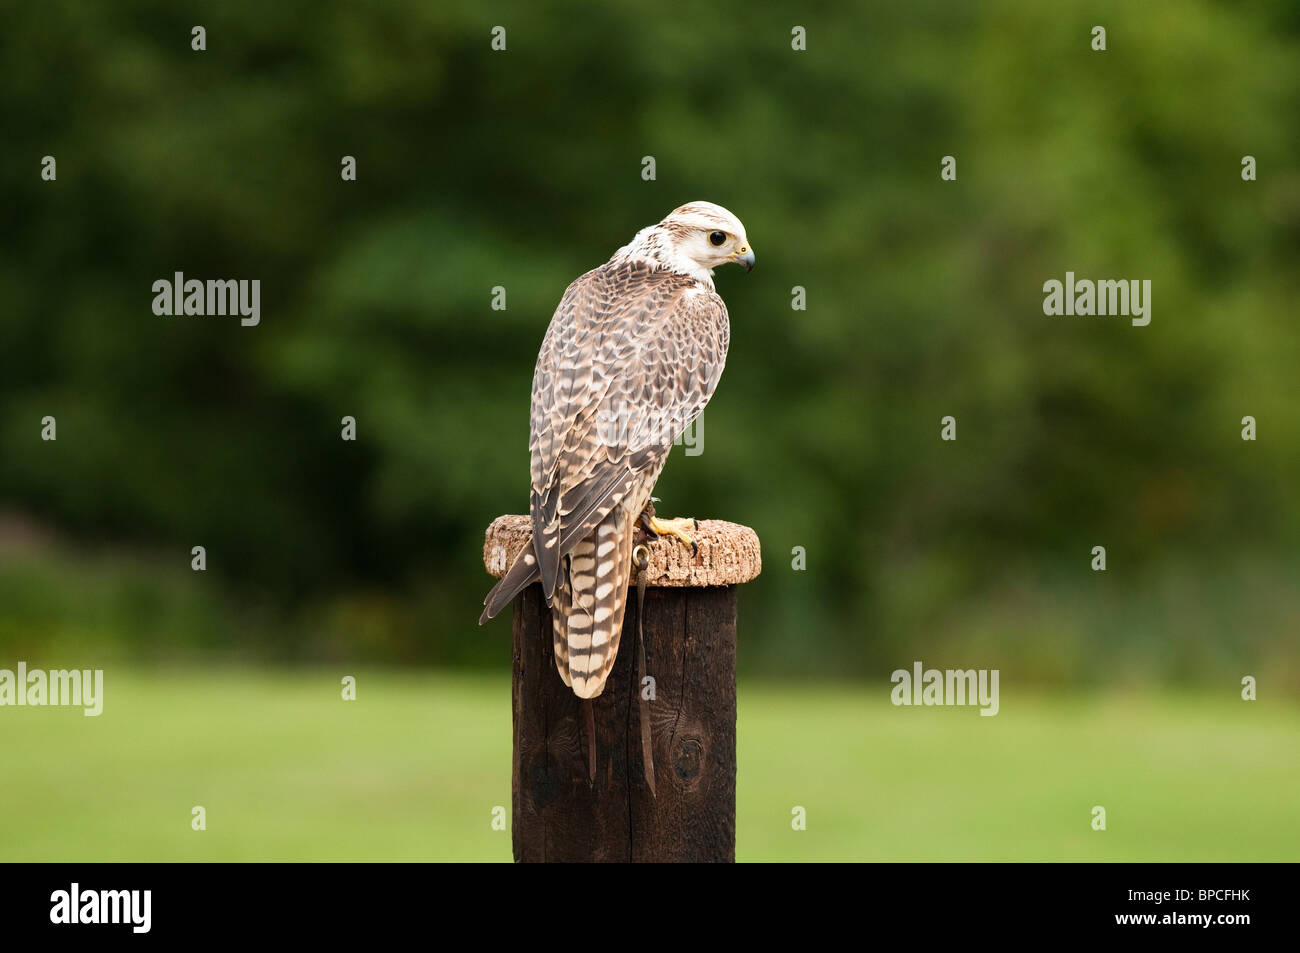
x=522 y=169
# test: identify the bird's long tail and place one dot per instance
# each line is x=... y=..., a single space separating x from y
x=589 y=602
x=599 y=569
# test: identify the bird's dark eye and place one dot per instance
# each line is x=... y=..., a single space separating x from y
x=717 y=238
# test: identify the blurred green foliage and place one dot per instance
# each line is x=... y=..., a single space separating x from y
x=522 y=169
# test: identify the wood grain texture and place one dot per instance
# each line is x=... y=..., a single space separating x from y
x=691 y=654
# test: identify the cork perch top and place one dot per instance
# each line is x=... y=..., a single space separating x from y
x=728 y=553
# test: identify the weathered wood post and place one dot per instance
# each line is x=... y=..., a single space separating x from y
x=690 y=645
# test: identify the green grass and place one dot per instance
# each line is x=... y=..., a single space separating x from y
x=414 y=767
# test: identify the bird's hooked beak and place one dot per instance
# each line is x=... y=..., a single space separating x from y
x=744 y=257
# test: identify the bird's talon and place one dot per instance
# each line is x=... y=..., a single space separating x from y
x=683 y=529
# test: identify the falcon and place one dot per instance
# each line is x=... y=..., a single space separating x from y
x=632 y=355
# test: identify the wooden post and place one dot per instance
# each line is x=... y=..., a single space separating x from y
x=690 y=644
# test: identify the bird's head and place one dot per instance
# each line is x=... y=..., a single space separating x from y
x=694 y=239
x=708 y=235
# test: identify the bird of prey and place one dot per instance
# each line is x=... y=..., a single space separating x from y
x=632 y=355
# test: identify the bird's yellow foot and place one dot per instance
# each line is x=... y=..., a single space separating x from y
x=683 y=528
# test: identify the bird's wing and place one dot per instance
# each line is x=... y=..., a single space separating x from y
x=631 y=357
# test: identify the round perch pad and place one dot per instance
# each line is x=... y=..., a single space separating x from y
x=727 y=553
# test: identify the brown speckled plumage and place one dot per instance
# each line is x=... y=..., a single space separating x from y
x=632 y=355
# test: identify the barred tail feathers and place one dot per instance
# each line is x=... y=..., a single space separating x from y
x=598 y=571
